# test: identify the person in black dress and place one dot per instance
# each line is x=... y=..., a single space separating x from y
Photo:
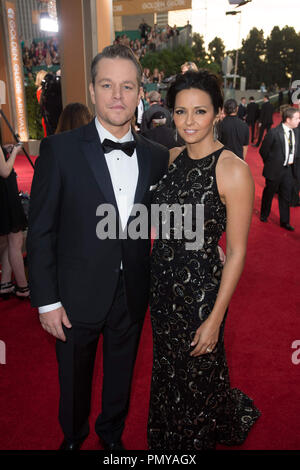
x=12 y=224
x=192 y=406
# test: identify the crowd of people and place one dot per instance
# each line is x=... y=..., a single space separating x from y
x=43 y=53
x=151 y=38
x=85 y=286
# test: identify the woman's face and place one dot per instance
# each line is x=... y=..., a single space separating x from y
x=194 y=115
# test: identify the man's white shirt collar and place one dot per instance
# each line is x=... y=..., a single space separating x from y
x=105 y=134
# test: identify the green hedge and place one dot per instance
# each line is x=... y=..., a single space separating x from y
x=34 y=116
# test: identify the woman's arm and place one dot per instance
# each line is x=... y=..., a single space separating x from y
x=7 y=166
x=236 y=188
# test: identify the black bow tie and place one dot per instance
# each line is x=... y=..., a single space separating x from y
x=127 y=147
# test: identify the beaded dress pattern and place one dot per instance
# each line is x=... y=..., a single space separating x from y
x=192 y=406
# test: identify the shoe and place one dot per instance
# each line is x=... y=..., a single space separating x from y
x=22 y=290
x=287 y=226
x=112 y=446
x=263 y=218
x=7 y=295
x=66 y=445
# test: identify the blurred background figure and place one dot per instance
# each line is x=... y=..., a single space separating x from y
x=265 y=119
x=252 y=116
x=154 y=99
x=73 y=116
x=242 y=111
x=234 y=133
x=279 y=151
x=188 y=66
x=160 y=132
x=12 y=224
x=38 y=82
x=51 y=101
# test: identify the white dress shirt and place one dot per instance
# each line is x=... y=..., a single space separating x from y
x=124 y=176
x=289 y=157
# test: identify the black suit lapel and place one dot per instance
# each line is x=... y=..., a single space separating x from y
x=143 y=163
x=296 y=135
x=282 y=140
x=93 y=152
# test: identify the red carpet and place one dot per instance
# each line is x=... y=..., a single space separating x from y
x=263 y=322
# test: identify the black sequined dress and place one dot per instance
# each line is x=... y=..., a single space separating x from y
x=192 y=406
x=12 y=216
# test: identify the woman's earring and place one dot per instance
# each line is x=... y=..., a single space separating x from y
x=215 y=132
x=176 y=135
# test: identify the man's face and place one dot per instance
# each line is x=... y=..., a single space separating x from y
x=115 y=94
x=293 y=122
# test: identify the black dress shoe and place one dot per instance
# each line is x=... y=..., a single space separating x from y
x=112 y=446
x=66 y=445
x=287 y=226
x=263 y=218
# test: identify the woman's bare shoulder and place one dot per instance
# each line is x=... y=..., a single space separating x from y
x=174 y=152
x=232 y=171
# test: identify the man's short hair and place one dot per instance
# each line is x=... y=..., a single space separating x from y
x=116 y=51
x=230 y=106
x=288 y=113
x=251 y=98
x=154 y=96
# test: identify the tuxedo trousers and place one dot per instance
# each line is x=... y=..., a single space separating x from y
x=262 y=129
x=283 y=185
x=76 y=360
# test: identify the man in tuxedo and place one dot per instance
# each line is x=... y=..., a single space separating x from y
x=265 y=119
x=86 y=285
x=279 y=152
x=242 y=110
x=252 y=116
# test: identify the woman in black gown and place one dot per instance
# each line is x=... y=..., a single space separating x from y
x=192 y=406
x=12 y=224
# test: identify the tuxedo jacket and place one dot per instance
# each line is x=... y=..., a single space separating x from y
x=252 y=112
x=242 y=110
x=266 y=114
x=67 y=261
x=273 y=154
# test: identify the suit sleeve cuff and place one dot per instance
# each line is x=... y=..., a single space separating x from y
x=50 y=307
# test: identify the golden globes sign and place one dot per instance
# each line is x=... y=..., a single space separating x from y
x=17 y=71
x=131 y=7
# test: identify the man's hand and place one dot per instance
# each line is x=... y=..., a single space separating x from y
x=52 y=322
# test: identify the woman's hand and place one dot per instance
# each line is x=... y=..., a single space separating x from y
x=221 y=255
x=17 y=148
x=205 y=339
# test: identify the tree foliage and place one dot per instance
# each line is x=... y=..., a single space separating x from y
x=272 y=60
